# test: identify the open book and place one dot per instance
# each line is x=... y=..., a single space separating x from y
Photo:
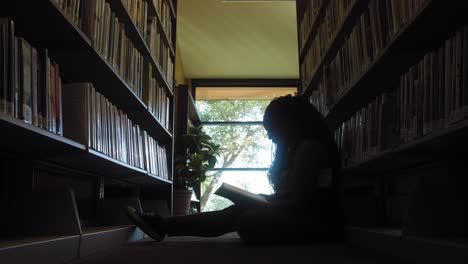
x=240 y=196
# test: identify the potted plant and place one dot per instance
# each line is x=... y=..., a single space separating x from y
x=191 y=166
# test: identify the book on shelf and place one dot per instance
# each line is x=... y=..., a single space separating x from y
x=374 y=28
x=240 y=196
x=431 y=95
x=31 y=83
x=92 y=120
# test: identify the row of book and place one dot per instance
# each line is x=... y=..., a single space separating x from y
x=369 y=131
x=333 y=17
x=160 y=50
x=435 y=91
x=138 y=11
x=153 y=34
x=91 y=119
x=379 y=23
x=432 y=95
x=156 y=158
x=156 y=98
x=164 y=13
x=109 y=38
x=309 y=17
x=360 y=49
x=30 y=83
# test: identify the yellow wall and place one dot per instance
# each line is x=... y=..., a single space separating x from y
x=179 y=68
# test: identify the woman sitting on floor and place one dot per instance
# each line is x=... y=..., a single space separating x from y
x=305 y=206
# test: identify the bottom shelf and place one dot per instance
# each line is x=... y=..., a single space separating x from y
x=411 y=249
x=50 y=249
x=64 y=249
x=95 y=239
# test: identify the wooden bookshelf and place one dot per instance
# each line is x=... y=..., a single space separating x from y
x=81 y=62
x=442 y=145
x=163 y=30
x=59 y=162
x=139 y=42
x=26 y=139
x=353 y=12
x=409 y=45
x=387 y=182
x=193 y=114
x=313 y=30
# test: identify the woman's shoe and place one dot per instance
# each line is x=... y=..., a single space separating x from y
x=144 y=223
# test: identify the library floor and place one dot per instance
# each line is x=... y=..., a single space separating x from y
x=230 y=249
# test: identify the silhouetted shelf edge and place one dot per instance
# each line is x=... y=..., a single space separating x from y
x=118 y=164
x=452 y=139
x=60 y=249
x=158 y=132
x=131 y=174
x=387 y=52
x=138 y=40
x=167 y=181
x=172 y=9
x=153 y=12
x=151 y=179
x=19 y=135
x=193 y=112
x=168 y=134
x=414 y=249
x=333 y=44
x=313 y=30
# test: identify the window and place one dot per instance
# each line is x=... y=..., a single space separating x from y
x=233 y=118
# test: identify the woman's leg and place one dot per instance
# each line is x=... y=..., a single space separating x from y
x=205 y=224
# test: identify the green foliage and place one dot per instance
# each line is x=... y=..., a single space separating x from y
x=199 y=157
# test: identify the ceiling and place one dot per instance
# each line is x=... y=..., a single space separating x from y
x=233 y=40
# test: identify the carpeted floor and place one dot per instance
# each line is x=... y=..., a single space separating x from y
x=230 y=249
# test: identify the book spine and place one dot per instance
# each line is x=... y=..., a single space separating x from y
x=34 y=88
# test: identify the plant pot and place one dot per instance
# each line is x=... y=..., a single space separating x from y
x=181 y=201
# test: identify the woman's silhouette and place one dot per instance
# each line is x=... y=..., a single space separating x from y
x=305 y=205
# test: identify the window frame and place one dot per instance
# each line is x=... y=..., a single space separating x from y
x=240 y=83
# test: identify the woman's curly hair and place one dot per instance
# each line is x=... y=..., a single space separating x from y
x=304 y=122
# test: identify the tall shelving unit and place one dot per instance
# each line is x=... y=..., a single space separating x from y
x=66 y=197
x=374 y=70
x=186 y=116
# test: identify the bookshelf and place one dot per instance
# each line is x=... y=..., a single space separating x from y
x=389 y=78
x=187 y=116
x=121 y=149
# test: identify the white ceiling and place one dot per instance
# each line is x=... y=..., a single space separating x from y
x=218 y=39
